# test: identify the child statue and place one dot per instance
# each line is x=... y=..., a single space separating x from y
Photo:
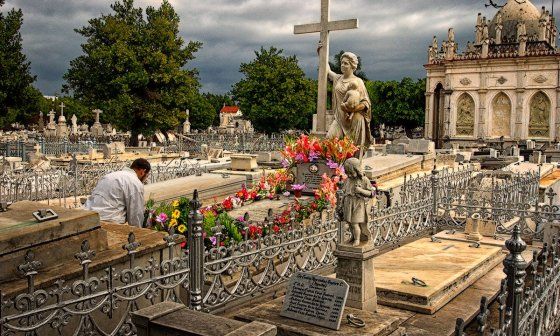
x=357 y=191
x=351 y=99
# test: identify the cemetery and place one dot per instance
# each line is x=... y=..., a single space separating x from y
x=263 y=226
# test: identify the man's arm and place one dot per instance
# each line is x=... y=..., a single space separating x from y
x=135 y=206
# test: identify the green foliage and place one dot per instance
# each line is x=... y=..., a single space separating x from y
x=202 y=113
x=217 y=101
x=133 y=68
x=397 y=103
x=18 y=99
x=229 y=224
x=274 y=94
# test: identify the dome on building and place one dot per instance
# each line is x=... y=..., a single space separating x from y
x=514 y=12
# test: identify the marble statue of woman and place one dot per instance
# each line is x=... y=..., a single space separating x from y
x=357 y=191
x=350 y=120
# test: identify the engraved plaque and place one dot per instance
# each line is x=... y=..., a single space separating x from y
x=315 y=299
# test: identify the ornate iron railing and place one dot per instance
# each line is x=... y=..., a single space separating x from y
x=245 y=142
x=528 y=305
x=65 y=186
x=95 y=304
x=222 y=275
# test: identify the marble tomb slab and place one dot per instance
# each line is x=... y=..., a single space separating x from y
x=209 y=186
x=447 y=268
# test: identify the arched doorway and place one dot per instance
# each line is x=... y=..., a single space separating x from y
x=437 y=116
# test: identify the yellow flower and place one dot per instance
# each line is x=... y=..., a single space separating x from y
x=182 y=228
x=173 y=222
x=176 y=214
x=175 y=203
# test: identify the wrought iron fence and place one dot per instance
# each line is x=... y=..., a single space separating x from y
x=101 y=304
x=222 y=275
x=245 y=142
x=66 y=186
x=80 y=145
x=527 y=305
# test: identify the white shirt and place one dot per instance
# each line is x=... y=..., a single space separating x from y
x=119 y=197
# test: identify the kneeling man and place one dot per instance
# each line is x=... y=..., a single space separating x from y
x=119 y=196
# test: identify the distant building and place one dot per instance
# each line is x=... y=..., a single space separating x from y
x=231 y=121
x=53 y=98
x=504 y=84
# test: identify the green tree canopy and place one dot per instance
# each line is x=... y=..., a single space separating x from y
x=398 y=103
x=133 y=69
x=18 y=99
x=275 y=94
x=217 y=101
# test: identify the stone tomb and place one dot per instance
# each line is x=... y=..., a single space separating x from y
x=244 y=162
x=209 y=186
x=423 y=276
x=171 y=318
x=53 y=241
x=315 y=299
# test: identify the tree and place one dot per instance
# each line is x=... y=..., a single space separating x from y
x=398 y=103
x=17 y=97
x=217 y=101
x=133 y=69
x=275 y=94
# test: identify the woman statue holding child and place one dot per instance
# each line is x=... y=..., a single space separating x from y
x=350 y=103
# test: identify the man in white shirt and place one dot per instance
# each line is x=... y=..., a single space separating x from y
x=119 y=196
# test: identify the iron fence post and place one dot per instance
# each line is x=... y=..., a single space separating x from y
x=435 y=198
x=514 y=268
x=339 y=215
x=196 y=253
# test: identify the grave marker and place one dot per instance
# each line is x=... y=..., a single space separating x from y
x=315 y=299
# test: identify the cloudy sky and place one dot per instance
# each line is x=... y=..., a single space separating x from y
x=392 y=38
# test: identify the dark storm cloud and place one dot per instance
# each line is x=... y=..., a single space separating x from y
x=392 y=38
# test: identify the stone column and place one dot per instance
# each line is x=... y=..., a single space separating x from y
x=520 y=103
x=555 y=134
x=429 y=115
x=355 y=266
x=447 y=113
x=481 y=132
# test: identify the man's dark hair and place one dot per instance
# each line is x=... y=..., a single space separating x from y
x=141 y=164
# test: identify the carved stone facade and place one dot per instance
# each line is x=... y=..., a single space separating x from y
x=539 y=117
x=501 y=116
x=465 y=115
x=504 y=84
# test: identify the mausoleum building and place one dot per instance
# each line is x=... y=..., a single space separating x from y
x=505 y=84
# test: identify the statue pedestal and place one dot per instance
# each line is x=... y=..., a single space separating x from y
x=355 y=266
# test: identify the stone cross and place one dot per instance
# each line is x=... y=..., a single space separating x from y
x=62 y=108
x=37 y=148
x=324 y=27
x=97 y=113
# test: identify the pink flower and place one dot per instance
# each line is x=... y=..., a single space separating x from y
x=161 y=218
x=313 y=155
x=298 y=186
x=300 y=157
x=213 y=240
x=331 y=164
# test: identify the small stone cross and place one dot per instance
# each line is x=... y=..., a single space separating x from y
x=324 y=27
x=37 y=148
x=62 y=108
x=97 y=113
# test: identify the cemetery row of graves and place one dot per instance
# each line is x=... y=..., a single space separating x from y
x=216 y=255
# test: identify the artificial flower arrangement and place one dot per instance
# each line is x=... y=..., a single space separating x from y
x=173 y=216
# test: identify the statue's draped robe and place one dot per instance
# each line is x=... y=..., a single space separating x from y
x=357 y=128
